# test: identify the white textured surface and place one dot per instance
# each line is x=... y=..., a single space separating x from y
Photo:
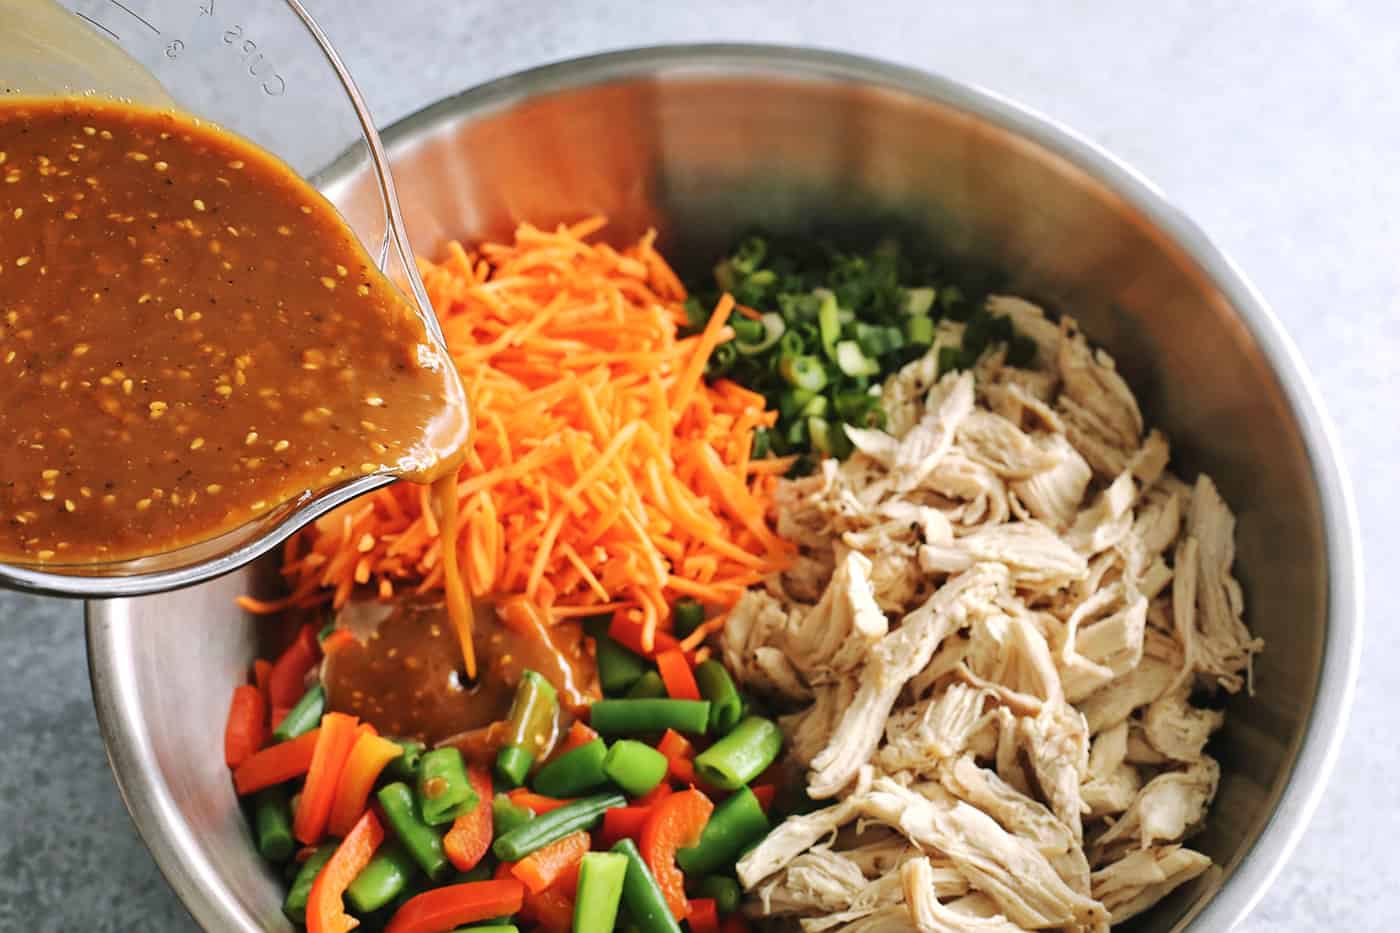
x=1276 y=125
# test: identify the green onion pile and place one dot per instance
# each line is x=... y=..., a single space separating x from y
x=832 y=325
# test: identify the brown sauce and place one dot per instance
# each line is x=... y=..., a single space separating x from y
x=189 y=336
x=405 y=673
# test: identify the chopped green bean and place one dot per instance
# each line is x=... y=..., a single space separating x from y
x=405 y=766
x=532 y=722
x=300 y=891
x=635 y=767
x=600 y=879
x=725 y=890
x=687 y=615
x=443 y=787
x=716 y=686
x=737 y=821
x=646 y=905
x=647 y=717
x=304 y=716
x=272 y=821
x=506 y=815
x=489 y=928
x=554 y=825
x=741 y=755
x=513 y=765
x=421 y=841
x=649 y=686
x=383 y=879
x=575 y=772
x=618 y=668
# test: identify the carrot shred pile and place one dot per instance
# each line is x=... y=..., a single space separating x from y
x=604 y=474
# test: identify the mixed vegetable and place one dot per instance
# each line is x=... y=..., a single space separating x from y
x=817 y=328
x=607 y=477
x=633 y=819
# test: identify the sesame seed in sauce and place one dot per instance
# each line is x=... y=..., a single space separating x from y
x=136 y=418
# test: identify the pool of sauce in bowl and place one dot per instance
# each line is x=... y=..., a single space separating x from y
x=190 y=335
x=404 y=674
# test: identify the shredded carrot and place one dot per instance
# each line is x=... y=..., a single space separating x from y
x=605 y=473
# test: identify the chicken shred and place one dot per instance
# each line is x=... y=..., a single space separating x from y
x=993 y=649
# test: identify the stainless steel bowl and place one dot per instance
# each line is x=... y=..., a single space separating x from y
x=705 y=141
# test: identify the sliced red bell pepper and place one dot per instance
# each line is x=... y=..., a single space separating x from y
x=550 y=911
x=657 y=794
x=536 y=803
x=704 y=915
x=246 y=730
x=579 y=734
x=447 y=908
x=470 y=836
x=567 y=884
x=675 y=745
x=621 y=823
x=765 y=794
x=681 y=770
x=338 y=734
x=367 y=759
x=544 y=866
x=675 y=823
x=677 y=675
x=276 y=764
x=735 y=923
x=286 y=682
x=325 y=908
x=628 y=633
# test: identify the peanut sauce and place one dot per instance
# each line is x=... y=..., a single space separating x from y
x=190 y=335
x=404 y=673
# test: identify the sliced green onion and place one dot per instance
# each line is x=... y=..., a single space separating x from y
x=918 y=330
x=772 y=329
x=852 y=360
x=804 y=372
x=919 y=300
x=762 y=445
x=815 y=407
x=949 y=359
x=829 y=323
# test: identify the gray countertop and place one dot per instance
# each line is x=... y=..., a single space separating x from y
x=1276 y=125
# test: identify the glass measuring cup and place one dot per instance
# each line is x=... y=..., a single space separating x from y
x=264 y=70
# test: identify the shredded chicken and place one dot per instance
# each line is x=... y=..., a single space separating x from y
x=995 y=653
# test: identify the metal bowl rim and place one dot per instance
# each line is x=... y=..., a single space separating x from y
x=171 y=841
